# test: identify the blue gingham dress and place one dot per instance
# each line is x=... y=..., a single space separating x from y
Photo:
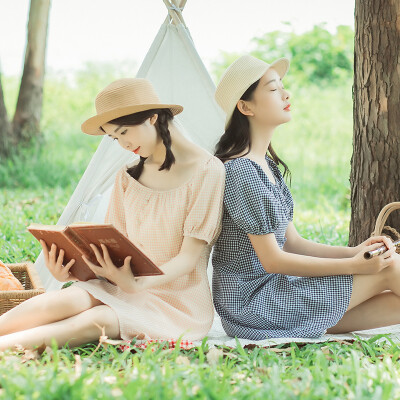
x=252 y=303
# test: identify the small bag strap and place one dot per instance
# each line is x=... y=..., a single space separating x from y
x=383 y=216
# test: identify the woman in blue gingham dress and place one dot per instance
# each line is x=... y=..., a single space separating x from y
x=268 y=281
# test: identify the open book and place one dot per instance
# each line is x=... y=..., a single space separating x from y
x=75 y=240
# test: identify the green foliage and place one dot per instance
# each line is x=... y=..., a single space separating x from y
x=316 y=56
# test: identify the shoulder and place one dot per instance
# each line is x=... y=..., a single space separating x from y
x=212 y=168
x=122 y=176
x=241 y=168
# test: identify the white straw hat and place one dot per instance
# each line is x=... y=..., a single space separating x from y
x=240 y=76
x=123 y=97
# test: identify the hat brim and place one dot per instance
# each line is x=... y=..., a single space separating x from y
x=92 y=125
x=281 y=65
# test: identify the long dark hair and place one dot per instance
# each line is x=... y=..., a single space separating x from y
x=164 y=116
x=237 y=139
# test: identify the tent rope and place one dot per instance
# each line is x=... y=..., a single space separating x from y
x=175 y=11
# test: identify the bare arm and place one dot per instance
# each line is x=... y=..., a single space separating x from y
x=298 y=245
x=180 y=265
x=277 y=261
x=183 y=264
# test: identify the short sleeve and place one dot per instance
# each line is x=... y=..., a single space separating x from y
x=205 y=207
x=251 y=205
x=115 y=213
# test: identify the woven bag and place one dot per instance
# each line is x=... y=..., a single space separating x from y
x=386 y=230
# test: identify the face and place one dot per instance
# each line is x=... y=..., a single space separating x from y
x=267 y=106
x=140 y=139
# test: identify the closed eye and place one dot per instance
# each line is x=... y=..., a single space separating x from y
x=123 y=133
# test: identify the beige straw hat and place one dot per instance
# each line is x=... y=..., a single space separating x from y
x=124 y=97
x=240 y=76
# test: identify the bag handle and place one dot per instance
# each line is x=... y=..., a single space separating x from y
x=383 y=216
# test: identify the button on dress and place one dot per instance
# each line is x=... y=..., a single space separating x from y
x=157 y=222
x=252 y=303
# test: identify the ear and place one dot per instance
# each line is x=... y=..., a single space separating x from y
x=244 y=108
x=153 y=119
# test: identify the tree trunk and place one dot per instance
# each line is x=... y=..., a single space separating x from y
x=375 y=164
x=29 y=105
x=5 y=127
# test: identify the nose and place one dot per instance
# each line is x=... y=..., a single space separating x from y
x=285 y=94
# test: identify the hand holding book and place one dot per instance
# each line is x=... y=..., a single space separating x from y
x=76 y=240
x=119 y=276
x=55 y=262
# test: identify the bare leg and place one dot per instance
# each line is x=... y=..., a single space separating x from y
x=47 y=308
x=368 y=286
x=375 y=301
x=381 y=310
x=76 y=330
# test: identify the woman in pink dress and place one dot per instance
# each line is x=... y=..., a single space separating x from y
x=169 y=204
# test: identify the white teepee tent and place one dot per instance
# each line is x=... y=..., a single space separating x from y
x=174 y=67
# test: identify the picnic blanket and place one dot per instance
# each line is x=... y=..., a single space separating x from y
x=217 y=337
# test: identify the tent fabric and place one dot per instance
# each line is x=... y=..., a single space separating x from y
x=174 y=67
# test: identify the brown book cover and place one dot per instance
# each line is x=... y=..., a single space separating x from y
x=75 y=239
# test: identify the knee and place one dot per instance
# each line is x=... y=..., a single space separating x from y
x=391 y=274
x=99 y=319
x=73 y=298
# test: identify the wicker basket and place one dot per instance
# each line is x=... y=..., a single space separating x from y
x=381 y=228
x=27 y=275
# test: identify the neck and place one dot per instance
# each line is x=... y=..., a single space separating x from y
x=178 y=146
x=260 y=140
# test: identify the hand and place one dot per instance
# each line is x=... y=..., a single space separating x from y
x=384 y=240
x=122 y=276
x=376 y=263
x=55 y=265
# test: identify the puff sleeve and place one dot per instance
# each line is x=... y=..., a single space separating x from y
x=251 y=205
x=116 y=212
x=204 y=217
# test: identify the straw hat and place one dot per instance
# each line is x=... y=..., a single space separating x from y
x=124 y=97
x=240 y=76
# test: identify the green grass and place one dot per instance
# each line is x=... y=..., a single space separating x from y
x=359 y=370
x=36 y=186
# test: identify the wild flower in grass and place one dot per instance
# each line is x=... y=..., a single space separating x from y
x=78 y=366
x=214 y=355
x=111 y=379
x=182 y=360
x=116 y=392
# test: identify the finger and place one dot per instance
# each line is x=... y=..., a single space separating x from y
x=374 y=246
x=106 y=254
x=389 y=252
x=98 y=255
x=45 y=251
x=60 y=259
x=71 y=277
x=69 y=265
x=95 y=268
x=127 y=263
x=52 y=253
x=377 y=239
x=388 y=243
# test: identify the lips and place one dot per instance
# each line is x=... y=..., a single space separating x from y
x=287 y=108
x=136 y=150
